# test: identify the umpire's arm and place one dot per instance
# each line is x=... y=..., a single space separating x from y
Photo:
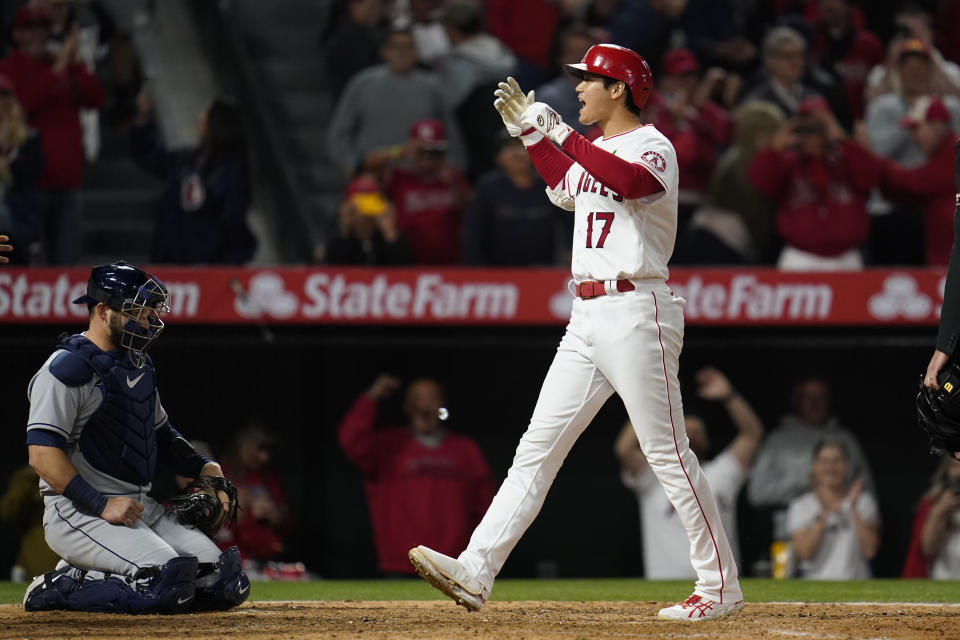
x=950 y=314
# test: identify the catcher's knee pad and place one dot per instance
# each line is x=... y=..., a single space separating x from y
x=172 y=588
x=232 y=587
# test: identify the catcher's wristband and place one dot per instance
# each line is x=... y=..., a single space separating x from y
x=530 y=137
x=82 y=493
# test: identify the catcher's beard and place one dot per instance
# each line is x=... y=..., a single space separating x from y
x=115 y=328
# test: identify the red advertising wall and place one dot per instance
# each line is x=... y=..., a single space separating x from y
x=717 y=297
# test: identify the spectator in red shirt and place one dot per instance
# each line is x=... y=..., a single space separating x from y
x=52 y=90
x=819 y=181
x=932 y=183
x=846 y=50
x=934 y=550
x=682 y=111
x=264 y=521
x=429 y=196
x=414 y=472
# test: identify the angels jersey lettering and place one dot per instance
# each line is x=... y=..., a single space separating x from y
x=616 y=237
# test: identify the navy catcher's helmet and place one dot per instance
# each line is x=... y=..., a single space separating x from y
x=138 y=296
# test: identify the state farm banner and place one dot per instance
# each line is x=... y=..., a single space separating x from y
x=412 y=296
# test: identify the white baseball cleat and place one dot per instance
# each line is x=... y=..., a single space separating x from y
x=449 y=576
x=696 y=609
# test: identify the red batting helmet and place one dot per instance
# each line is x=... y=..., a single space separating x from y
x=618 y=63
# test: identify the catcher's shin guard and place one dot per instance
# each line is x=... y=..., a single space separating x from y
x=166 y=589
x=51 y=590
x=72 y=589
x=232 y=586
x=171 y=590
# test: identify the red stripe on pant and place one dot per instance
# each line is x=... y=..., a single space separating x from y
x=663 y=360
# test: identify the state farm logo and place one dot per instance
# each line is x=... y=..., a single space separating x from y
x=428 y=296
x=745 y=297
x=900 y=297
x=267 y=295
x=327 y=295
x=655 y=160
x=33 y=295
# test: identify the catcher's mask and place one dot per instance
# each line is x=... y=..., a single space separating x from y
x=139 y=297
x=938 y=410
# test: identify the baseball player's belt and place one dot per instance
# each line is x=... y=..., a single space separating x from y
x=591 y=289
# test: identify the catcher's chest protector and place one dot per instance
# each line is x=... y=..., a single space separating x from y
x=119 y=438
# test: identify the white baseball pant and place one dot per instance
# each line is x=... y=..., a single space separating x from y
x=630 y=344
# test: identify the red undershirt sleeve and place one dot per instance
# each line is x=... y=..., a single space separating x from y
x=626 y=178
x=552 y=164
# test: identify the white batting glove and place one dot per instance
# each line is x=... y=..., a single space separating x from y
x=544 y=119
x=560 y=197
x=510 y=104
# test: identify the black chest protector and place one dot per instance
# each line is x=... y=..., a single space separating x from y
x=119 y=439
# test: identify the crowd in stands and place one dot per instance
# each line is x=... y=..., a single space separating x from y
x=804 y=139
x=50 y=102
x=810 y=134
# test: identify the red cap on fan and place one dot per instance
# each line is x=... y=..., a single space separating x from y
x=429 y=134
x=677 y=61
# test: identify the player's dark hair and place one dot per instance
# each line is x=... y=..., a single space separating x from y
x=628 y=95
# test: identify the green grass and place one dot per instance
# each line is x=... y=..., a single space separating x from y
x=755 y=590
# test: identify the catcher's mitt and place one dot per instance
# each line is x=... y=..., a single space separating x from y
x=938 y=410
x=202 y=504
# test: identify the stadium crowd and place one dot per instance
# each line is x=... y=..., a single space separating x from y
x=804 y=140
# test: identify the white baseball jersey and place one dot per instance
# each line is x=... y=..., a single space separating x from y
x=616 y=238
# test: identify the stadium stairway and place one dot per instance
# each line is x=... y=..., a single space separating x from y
x=281 y=42
x=118 y=203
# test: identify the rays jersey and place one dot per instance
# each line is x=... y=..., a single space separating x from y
x=65 y=409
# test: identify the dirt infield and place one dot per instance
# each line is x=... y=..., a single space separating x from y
x=499 y=620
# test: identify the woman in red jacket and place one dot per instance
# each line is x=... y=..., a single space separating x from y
x=934 y=550
x=819 y=180
x=52 y=90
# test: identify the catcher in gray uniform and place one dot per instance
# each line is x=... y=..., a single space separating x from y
x=95 y=434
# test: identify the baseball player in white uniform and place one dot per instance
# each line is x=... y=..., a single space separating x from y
x=624 y=336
